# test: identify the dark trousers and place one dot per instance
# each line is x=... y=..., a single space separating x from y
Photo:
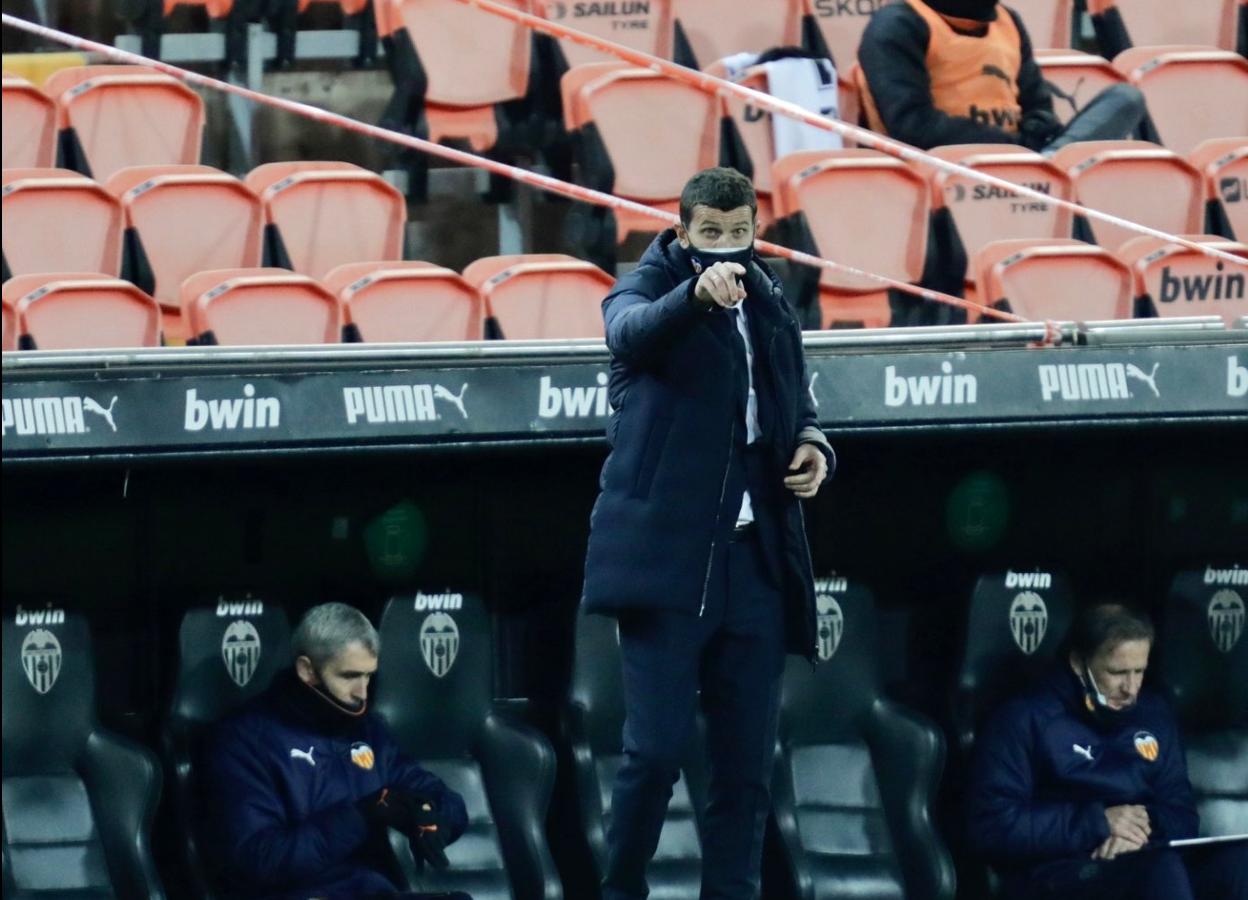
x=1111 y=115
x=1199 y=873
x=734 y=651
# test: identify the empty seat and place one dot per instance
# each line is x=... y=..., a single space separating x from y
x=981 y=213
x=1136 y=181
x=117 y=116
x=886 y=196
x=1074 y=78
x=542 y=296
x=228 y=652
x=855 y=772
x=435 y=691
x=260 y=306
x=622 y=119
x=1193 y=94
x=705 y=30
x=320 y=215
x=1203 y=661
x=1174 y=281
x=592 y=723
x=8 y=326
x=1063 y=280
x=186 y=219
x=1047 y=21
x=408 y=301
x=78 y=801
x=1120 y=24
x=1223 y=163
x=636 y=25
x=82 y=311
x=29 y=125
x=840 y=27
x=55 y=220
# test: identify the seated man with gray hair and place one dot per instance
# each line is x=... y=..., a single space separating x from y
x=304 y=780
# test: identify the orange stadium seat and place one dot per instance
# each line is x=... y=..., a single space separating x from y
x=639 y=25
x=1137 y=181
x=1074 y=78
x=239 y=307
x=118 y=116
x=55 y=220
x=756 y=133
x=1121 y=24
x=887 y=197
x=1193 y=94
x=185 y=219
x=542 y=296
x=1223 y=162
x=82 y=311
x=320 y=215
x=29 y=125
x=1173 y=281
x=1048 y=22
x=703 y=31
x=8 y=326
x=399 y=302
x=983 y=213
x=627 y=144
x=1058 y=279
x=840 y=26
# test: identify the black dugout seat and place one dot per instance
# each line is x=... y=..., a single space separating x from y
x=434 y=688
x=1203 y=658
x=228 y=652
x=78 y=801
x=593 y=722
x=1015 y=626
x=856 y=772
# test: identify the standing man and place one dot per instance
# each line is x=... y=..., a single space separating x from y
x=697 y=541
x=305 y=780
x=1078 y=786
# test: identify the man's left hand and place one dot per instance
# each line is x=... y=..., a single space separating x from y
x=1115 y=846
x=807 y=471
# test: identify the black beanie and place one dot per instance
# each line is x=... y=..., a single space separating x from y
x=978 y=10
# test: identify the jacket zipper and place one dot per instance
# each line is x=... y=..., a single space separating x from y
x=723 y=489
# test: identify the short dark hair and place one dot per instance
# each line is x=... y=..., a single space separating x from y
x=718 y=188
x=1108 y=623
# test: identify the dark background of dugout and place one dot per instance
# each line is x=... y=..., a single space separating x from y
x=1119 y=509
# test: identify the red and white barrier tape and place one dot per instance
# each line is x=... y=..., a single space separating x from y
x=524 y=176
x=714 y=85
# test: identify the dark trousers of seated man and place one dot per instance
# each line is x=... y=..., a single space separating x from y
x=1113 y=114
x=1199 y=873
x=734 y=651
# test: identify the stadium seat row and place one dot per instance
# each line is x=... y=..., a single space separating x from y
x=539 y=296
x=856 y=772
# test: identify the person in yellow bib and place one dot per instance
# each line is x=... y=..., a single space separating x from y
x=938 y=72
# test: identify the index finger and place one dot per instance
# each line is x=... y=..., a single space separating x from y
x=735 y=268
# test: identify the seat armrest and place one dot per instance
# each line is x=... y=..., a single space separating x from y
x=784 y=808
x=518 y=765
x=123 y=781
x=909 y=754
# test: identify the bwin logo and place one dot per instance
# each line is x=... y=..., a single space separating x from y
x=945 y=389
x=1029 y=619
x=235 y=608
x=45 y=416
x=240 y=650
x=439 y=643
x=1226 y=619
x=245 y=412
x=573 y=402
x=49 y=616
x=1039 y=581
x=1236 y=378
x=1233 y=575
x=1093 y=381
x=1201 y=287
x=432 y=602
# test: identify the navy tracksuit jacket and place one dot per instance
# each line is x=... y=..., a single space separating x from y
x=284 y=779
x=1045 y=770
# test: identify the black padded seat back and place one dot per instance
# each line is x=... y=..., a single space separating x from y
x=228 y=652
x=1203 y=658
x=1015 y=627
x=434 y=686
x=1203 y=646
x=847 y=648
x=51 y=838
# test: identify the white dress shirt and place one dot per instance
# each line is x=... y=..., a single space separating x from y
x=746 y=515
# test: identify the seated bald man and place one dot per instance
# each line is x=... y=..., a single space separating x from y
x=1077 y=786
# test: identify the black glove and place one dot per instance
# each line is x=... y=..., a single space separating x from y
x=427 y=832
x=386 y=808
x=1039 y=128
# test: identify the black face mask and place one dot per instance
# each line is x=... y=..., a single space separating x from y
x=977 y=10
x=704 y=259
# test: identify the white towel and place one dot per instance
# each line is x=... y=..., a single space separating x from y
x=809 y=83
